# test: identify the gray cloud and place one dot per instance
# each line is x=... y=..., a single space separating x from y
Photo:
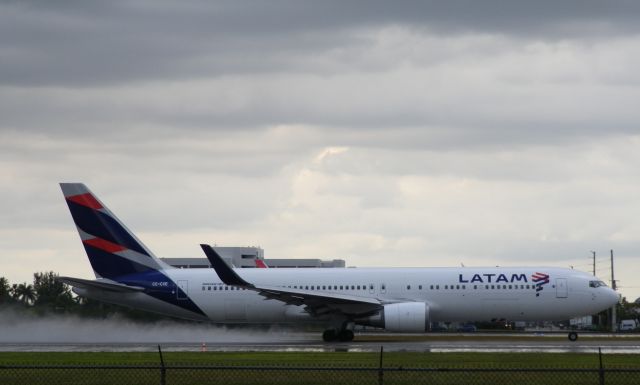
x=406 y=133
x=87 y=43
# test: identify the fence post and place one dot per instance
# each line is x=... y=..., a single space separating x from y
x=163 y=370
x=601 y=371
x=380 y=370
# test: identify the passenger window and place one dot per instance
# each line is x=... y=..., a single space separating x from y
x=353 y=287
x=408 y=287
x=431 y=287
x=457 y=287
x=493 y=287
x=463 y=287
x=446 y=287
x=509 y=287
x=475 y=287
x=341 y=287
x=437 y=287
x=419 y=287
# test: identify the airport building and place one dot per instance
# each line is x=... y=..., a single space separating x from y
x=245 y=257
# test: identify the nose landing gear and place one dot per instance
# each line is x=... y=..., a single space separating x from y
x=573 y=336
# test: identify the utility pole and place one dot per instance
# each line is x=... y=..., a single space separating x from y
x=594 y=262
x=613 y=280
x=614 y=326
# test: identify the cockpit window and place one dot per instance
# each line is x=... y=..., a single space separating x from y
x=596 y=283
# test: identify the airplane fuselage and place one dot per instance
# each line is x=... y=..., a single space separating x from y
x=451 y=294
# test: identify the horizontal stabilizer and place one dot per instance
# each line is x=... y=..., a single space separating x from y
x=100 y=285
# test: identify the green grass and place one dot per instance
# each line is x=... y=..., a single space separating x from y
x=316 y=360
x=341 y=359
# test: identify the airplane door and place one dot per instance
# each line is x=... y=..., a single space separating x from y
x=182 y=289
x=561 y=288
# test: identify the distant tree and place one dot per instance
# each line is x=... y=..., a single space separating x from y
x=23 y=293
x=50 y=292
x=5 y=291
x=627 y=310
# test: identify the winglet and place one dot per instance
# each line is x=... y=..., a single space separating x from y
x=226 y=273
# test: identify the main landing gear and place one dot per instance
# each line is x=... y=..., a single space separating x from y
x=573 y=336
x=344 y=335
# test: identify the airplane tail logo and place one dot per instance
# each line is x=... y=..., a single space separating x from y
x=540 y=279
x=260 y=264
x=112 y=249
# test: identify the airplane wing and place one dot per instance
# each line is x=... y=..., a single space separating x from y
x=100 y=285
x=316 y=303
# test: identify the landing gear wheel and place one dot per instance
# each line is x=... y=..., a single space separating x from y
x=573 y=336
x=345 y=335
x=329 y=335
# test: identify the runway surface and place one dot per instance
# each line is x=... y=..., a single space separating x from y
x=308 y=342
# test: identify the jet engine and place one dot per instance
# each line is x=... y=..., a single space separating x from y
x=408 y=317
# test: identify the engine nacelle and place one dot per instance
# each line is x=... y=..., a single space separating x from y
x=408 y=317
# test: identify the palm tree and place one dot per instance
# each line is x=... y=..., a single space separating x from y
x=24 y=293
x=5 y=290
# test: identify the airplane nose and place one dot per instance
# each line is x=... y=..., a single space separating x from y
x=612 y=297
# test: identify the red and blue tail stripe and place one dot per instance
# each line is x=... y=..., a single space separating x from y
x=98 y=221
x=115 y=253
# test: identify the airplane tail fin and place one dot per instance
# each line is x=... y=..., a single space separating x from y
x=112 y=249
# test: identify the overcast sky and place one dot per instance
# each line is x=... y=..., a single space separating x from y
x=408 y=133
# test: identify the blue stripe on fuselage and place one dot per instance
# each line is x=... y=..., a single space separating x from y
x=161 y=287
x=128 y=272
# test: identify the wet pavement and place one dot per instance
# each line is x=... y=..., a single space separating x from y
x=310 y=342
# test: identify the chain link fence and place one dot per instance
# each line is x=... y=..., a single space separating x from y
x=229 y=375
x=177 y=374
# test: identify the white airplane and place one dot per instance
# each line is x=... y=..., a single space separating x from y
x=396 y=299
